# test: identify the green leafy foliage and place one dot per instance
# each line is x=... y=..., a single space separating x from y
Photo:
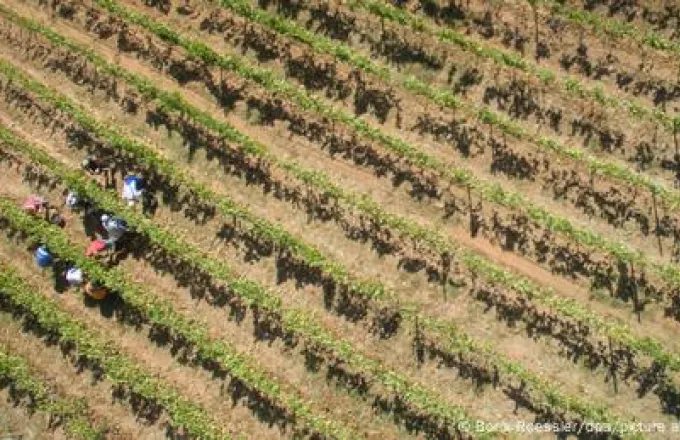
x=618 y=332
x=303 y=325
x=456 y=175
x=161 y=313
x=15 y=371
x=119 y=369
x=297 y=322
x=175 y=103
x=502 y=57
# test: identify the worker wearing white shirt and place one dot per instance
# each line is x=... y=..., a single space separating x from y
x=115 y=227
x=74 y=276
x=133 y=188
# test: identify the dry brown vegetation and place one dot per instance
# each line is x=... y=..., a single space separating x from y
x=364 y=219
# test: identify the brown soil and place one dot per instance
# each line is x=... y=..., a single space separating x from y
x=458 y=66
x=418 y=107
x=659 y=16
x=197 y=384
x=468 y=313
x=15 y=421
x=554 y=206
x=563 y=40
x=360 y=181
x=544 y=356
x=434 y=296
x=48 y=361
x=356 y=180
x=314 y=388
x=557 y=207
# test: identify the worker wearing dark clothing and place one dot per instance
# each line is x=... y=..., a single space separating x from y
x=93 y=165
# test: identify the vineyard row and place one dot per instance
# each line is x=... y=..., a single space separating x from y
x=645 y=345
x=15 y=373
x=568 y=84
x=283 y=322
x=549 y=222
x=304 y=326
x=458 y=177
x=119 y=369
x=446 y=99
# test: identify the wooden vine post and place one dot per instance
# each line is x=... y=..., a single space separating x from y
x=656 y=221
x=469 y=197
x=222 y=90
x=612 y=364
x=418 y=343
x=636 y=299
x=676 y=124
x=593 y=174
x=245 y=38
x=534 y=10
x=446 y=269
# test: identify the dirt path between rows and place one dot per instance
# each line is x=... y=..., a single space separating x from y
x=58 y=371
x=501 y=260
x=200 y=385
x=512 y=348
x=196 y=385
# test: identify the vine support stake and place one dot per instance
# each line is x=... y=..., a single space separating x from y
x=636 y=298
x=612 y=365
x=469 y=197
x=418 y=342
x=656 y=220
x=446 y=269
x=534 y=9
x=222 y=91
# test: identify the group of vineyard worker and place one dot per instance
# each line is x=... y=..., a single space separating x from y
x=109 y=231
